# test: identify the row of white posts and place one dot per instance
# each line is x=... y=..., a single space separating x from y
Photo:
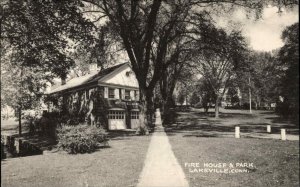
x=283 y=132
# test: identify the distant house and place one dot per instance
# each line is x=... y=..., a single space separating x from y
x=109 y=97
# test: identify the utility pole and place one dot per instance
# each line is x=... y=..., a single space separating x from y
x=250 y=96
x=20 y=103
x=20 y=122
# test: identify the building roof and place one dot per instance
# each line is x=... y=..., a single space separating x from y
x=86 y=79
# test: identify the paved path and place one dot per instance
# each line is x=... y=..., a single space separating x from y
x=161 y=168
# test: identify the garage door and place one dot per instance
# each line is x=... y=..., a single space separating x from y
x=116 y=120
x=134 y=119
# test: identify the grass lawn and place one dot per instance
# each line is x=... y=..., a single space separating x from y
x=200 y=139
x=119 y=165
x=255 y=122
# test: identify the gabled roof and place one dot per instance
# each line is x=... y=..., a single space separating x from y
x=87 y=79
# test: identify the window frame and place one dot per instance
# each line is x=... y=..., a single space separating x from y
x=134 y=115
x=111 y=90
x=127 y=97
x=116 y=114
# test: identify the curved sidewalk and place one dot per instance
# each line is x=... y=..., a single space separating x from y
x=161 y=168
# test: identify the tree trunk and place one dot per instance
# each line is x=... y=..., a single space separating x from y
x=146 y=111
x=206 y=107
x=166 y=110
x=217 y=107
x=20 y=123
x=167 y=102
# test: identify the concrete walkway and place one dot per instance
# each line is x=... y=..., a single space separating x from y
x=161 y=168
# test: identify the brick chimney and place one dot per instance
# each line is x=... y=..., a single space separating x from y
x=63 y=81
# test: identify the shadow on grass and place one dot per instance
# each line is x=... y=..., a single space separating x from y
x=268 y=112
x=200 y=124
x=121 y=134
x=223 y=115
x=277 y=119
x=42 y=142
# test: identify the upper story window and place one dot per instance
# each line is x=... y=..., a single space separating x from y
x=127 y=94
x=111 y=93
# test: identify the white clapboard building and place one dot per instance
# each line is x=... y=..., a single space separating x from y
x=109 y=96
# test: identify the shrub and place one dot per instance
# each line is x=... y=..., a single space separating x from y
x=3 y=155
x=142 y=131
x=285 y=110
x=80 y=138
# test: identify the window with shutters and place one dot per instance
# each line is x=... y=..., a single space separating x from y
x=111 y=93
x=127 y=94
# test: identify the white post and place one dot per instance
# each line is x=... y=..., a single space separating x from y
x=283 y=134
x=268 y=128
x=237 y=132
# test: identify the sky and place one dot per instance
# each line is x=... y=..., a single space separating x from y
x=263 y=34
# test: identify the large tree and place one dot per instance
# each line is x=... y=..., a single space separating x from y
x=43 y=33
x=289 y=57
x=148 y=28
x=264 y=73
x=22 y=87
x=220 y=55
x=205 y=92
x=37 y=37
x=179 y=71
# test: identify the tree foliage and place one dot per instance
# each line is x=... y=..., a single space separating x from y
x=221 y=55
x=289 y=57
x=42 y=32
x=37 y=38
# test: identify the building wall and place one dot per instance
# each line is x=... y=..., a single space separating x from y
x=116 y=91
x=124 y=76
x=96 y=102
